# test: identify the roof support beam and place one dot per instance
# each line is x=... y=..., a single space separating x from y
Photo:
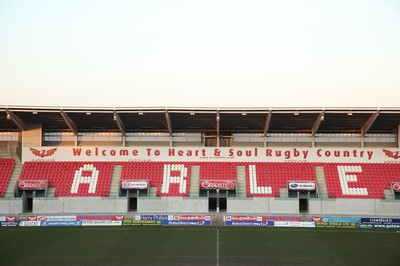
x=169 y=124
x=266 y=127
x=121 y=126
x=369 y=123
x=367 y=126
x=315 y=127
x=71 y=124
x=18 y=121
x=218 y=118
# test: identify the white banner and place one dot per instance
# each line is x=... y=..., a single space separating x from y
x=101 y=223
x=211 y=154
x=29 y=223
x=125 y=184
x=294 y=224
x=56 y=218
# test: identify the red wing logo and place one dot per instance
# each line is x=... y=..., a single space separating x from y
x=391 y=154
x=43 y=153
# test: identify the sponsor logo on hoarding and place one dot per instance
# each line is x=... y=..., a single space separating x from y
x=218 y=184
x=56 y=218
x=192 y=218
x=8 y=223
x=101 y=223
x=392 y=154
x=396 y=186
x=43 y=153
x=380 y=221
x=154 y=217
x=141 y=222
x=340 y=219
x=32 y=185
x=29 y=223
x=247 y=223
x=186 y=223
x=134 y=184
x=335 y=225
x=100 y=217
x=239 y=218
x=302 y=185
x=11 y=218
x=317 y=219
x=31 y=218
x=61 y=223
x=294 y=224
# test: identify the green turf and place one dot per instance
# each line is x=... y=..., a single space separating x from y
x=188 y=246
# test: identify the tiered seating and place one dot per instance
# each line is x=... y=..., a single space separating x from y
x=217 y=171
x=265 y=179
x=363 y=180
x=6 y=168
x=72 y=179
x=171 y=178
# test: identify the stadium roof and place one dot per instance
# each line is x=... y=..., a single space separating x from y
x=210 y=121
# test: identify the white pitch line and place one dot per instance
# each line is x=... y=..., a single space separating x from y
x=217 y=247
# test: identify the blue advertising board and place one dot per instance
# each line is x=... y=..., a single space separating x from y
x=244 y=223
x=389 y=221
x=341 y=219
x=61 y=223
x=9 y=224
x=185 y=223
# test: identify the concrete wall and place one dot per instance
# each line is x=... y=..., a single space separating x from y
x=263 y=205
x=356 y=207
x=172 y=205
x=79 y=205
x=10 y=206
x=338 y=207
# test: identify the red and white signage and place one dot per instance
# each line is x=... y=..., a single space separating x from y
x=126 y=184
x=32 y=185
x=100 y=217
x=11 y=218
x=218 y=184
x=207 y=154
x=301 y=185
x=56 y=218
x=396 y=186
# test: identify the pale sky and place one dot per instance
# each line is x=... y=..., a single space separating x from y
x=204 y=53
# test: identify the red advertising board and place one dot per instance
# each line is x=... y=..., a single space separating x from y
x=218 y=184
x=32 y=184
x=396 y=186
x=249 y=218
x=100 y=217
x=129 y=184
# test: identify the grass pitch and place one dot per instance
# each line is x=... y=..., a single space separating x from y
x=197 y=246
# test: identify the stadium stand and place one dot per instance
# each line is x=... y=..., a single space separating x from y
x=6 y=168
x=217 y=171
x=360 y=180
x=265 y=179
x=172 y=179
x=72 y=179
